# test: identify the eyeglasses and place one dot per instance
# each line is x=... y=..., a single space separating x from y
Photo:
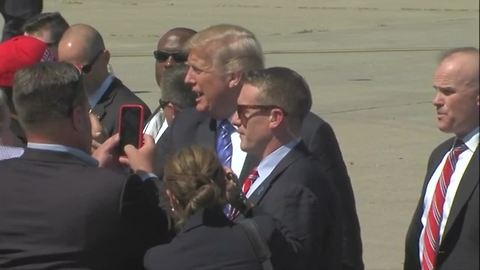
x=242 y=109
x=162 y=56
x=164 y=103
x=88 y=67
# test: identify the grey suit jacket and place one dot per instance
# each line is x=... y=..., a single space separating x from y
x=459 y=247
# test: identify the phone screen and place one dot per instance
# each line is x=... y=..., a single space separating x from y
x=130 y=128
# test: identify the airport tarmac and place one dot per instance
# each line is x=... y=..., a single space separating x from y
x=369 y=64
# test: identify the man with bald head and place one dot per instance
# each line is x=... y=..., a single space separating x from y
x=444 y=230
x=169 y=52
x=83 y=46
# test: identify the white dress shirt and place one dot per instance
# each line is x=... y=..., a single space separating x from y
x=156 y=126
x=471 y=141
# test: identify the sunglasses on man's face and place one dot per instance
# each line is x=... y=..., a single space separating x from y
x=88 y=67
x=162 y=56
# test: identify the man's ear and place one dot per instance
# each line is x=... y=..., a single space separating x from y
x=234 y=79
x=107 y=56
x=277 y=118
x=79 y=119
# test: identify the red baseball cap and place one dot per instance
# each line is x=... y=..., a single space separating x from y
x=20 y=52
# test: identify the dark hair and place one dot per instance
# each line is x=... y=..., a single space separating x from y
x=47 y=92
x=53 y=20
x=174 y=89
x=284 y=88
x=196 y=178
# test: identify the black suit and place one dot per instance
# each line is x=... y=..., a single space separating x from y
x=459 y=247
x=193 y=247
x=299 y=194
x=192 y=127
x=58 y=212
x=109 y=104
x=15 y=13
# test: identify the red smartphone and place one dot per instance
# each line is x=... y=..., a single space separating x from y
x=130 y=119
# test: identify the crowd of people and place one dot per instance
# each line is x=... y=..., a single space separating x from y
x=235 y=171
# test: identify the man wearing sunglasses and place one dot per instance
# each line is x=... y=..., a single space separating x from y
x=271 y=108
x=83 y=46
x=169 y=52
x=218 y=56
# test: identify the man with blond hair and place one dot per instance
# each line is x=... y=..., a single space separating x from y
x=218 y=57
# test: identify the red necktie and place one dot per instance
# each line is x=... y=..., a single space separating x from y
x=232 y=213
x=431 y=235
x=249 y=181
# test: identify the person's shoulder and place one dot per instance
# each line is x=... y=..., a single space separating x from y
x=123 y=92
x=158 y=257
x=315 y=119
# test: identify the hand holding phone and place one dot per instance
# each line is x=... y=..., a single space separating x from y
x=130 y=126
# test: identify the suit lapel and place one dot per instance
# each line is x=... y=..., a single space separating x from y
x=467 y=184
x=206 y=132
x=296 y=153
x=100 y=109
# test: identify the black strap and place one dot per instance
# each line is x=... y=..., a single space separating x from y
x=259 y=246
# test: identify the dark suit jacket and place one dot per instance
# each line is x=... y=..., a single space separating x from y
x=301 y=197
x=192 y=127
x=15 y=13
x=58 y=212
x=109 y=104
x=209 y=240
x=459 y=247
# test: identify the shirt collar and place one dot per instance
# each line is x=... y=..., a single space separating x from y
x=471 y=139
x=95 y=97
x=65 y=149
x=269 y=163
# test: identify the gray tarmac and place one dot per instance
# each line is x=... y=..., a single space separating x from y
x=369 y=64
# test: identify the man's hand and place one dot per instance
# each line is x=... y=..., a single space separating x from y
x=107 y=153
x=140 y=159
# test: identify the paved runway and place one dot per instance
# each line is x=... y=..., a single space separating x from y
x=369 y=64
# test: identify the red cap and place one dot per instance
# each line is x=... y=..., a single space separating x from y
x=20 y=52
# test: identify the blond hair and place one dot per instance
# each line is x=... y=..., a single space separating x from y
x=230 y=48
x=196 y=178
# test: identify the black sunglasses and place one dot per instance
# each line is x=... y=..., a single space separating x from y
x=162 y=56
x=88 y=67
x=242 y=111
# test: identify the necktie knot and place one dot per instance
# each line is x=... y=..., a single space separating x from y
x=249 y=180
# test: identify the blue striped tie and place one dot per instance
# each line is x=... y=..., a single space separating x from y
x=224 y=143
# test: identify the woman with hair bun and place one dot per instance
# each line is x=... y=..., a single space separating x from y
x=196 y=186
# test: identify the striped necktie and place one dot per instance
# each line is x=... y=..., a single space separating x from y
x=231 y=212
x=224 y=143
x=431 y=235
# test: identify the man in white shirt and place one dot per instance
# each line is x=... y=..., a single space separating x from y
x=444 y=231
